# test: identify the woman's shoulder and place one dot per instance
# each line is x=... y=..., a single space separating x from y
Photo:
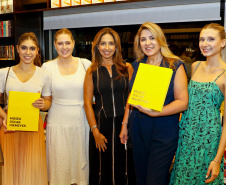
x=129 y=66
x=42 y=71
x=85 y=60
x=4 y=71
x=49 y=63
x=195 y=64
x=135 y=64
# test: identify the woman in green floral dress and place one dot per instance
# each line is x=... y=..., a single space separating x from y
x=202 y=141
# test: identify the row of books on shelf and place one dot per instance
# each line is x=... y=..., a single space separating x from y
x=64 y=3
x=6 y=6
x=5 y=28
x=7 y=52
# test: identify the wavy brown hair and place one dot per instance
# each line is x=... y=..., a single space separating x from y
x=158 y=34
x=31 y=36
x=97 y=60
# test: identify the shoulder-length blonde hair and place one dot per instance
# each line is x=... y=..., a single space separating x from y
x=117 y=57
x=158 y=34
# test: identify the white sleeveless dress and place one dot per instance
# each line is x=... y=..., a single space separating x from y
x=67 y=134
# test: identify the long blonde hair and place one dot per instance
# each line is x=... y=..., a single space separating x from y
x=157 y=32
x=117 y=57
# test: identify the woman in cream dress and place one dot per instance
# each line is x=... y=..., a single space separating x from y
x=67 y=128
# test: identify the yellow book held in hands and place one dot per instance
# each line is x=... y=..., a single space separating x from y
x=150 y=86
x=22 y=115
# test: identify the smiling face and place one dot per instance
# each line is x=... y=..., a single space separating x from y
x=106 y=46
x=149 y=44
x=64 y=45
x=210 y=42
x=27 y=51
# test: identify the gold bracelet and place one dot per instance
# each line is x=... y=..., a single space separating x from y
x=217 y=161
x=93 y=128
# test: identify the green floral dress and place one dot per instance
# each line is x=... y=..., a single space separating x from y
x=199 y=135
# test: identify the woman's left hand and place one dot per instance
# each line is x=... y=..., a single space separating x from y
x=214 y=169
x=147 y=111
x=39 y=103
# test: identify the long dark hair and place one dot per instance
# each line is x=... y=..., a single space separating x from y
x=121 y=67
x=31 y=36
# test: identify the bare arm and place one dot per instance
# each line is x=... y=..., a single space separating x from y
x=214 y=167
x=88 y=101
x=43 y=103
x=180 y=94
x=124 y=132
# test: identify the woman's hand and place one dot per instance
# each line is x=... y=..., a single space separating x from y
x=147 y=111
x=124 y=134
x=214 y=169
x=4 y=123
x=100 y=140
x=39 y=103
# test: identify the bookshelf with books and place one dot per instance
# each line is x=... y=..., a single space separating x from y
x=7 y=32
x=13 y=25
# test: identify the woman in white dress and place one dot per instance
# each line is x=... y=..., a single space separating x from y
x=67 y=134
x=24 y=152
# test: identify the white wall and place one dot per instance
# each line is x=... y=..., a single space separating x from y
x=161 y=11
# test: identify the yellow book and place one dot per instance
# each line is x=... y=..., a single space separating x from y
x=22 y=115
x=150 y=86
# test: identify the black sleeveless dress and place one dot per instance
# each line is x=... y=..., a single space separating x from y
x=108 y=168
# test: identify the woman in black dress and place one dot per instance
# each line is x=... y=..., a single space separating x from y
x=107 y=80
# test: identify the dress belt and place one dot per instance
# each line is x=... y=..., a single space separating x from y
x=67 y=102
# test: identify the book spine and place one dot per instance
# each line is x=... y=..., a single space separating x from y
x=4 y=28
x=9 y=6
x=65 y=3
x=9 y=28
x=13 y=53
x=55 y=3
x=76 y=2
x=0 y=28
x=3 y=6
